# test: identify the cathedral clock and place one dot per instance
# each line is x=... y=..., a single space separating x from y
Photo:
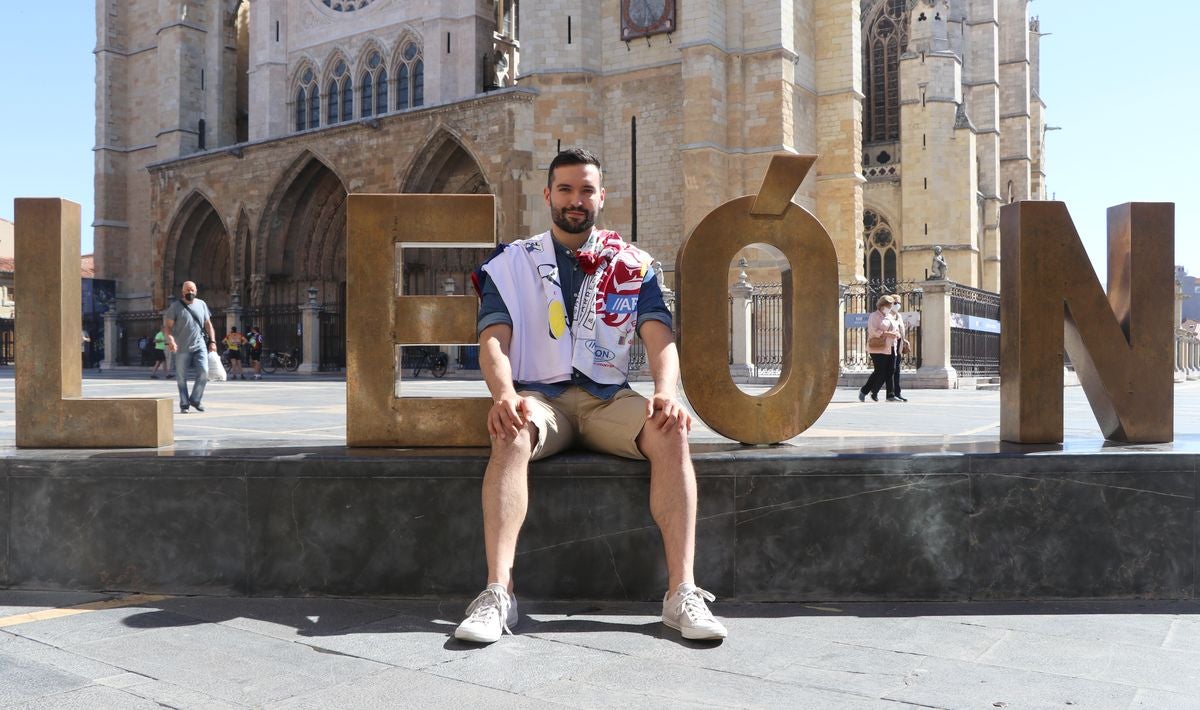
x=642 y=18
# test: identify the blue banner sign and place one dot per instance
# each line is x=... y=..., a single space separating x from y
x=985 y=325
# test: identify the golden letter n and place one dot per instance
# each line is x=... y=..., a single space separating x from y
x=1120 y=345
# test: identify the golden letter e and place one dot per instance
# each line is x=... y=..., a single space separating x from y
x=378 y=319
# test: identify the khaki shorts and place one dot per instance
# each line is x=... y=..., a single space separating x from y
x=608 y=426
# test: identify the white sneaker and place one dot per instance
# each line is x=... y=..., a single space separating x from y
x=489 y=616
x=686 y=611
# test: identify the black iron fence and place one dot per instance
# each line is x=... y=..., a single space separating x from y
x=333 y=339
x=974 y=331
x=279 y=325
x=766 y=327
x=135 y=329
x=859 y=301
x=7 y=348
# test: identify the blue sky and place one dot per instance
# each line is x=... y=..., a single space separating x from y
x=1106 y=77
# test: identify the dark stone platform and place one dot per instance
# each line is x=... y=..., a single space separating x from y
x=948 y=519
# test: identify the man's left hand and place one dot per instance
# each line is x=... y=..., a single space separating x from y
x=212 y=347
x=668 y=413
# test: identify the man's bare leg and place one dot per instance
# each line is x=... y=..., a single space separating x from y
x=672 y=497
x=505 y=502
x=673 y=504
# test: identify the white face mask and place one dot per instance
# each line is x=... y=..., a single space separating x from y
x=895 y=308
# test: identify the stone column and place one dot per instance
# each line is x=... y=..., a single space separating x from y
x=1192 y=346
x=233 y=317
x=112 y=345
x=1181 y=344
x=842 y=328
x=233 y=314
x=1179 y=297
x=935 y=371
x=310 y=333
x=452 y=354
x=1181 y=355
x=742 y=326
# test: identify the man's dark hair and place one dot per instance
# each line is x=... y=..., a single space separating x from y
x=572 y=156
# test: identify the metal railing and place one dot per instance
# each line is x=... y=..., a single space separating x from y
x=767 y=327
x=7 y=342
x=279 y=325
x=333 y=339
x=132 y=327
x=974 y=331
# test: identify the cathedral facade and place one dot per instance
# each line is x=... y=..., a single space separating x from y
x=229 y=132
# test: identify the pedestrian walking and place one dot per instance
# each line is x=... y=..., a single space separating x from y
x=191 y=319
x=254 y=341
x=882 y=332
x=234 y=342
x=160 y=354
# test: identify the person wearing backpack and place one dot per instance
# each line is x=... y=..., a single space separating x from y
x=234 y=342
x=190 y=319
x=254 y=339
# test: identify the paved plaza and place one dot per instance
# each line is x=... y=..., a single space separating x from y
x=109 y=650
x=289 y=410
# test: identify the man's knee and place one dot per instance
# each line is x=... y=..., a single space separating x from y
x=654 y=441
x=517 y=446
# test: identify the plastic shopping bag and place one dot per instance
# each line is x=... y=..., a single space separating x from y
x=216 y=371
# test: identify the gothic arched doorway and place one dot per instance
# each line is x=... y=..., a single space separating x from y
x=302 y=246
x=198 y=250
x=444 y=167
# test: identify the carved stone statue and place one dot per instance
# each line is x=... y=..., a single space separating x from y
x=937 y=270
x=501 y=67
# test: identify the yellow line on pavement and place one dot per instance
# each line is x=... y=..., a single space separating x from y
x=47 y=614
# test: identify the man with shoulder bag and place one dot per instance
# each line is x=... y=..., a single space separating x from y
x=190 y=318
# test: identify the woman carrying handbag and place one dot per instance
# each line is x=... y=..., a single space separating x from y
x=883 y=331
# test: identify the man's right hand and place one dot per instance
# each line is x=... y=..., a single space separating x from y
x=171 y=343
x=508 y=416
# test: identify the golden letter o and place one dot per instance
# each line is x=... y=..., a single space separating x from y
x=810 y=311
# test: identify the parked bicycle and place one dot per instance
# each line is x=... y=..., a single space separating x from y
x=433 y=360
x=288 y=361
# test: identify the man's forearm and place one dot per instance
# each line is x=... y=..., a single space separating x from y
x=662 y=355
x=494 y=362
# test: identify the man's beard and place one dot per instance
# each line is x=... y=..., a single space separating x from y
x=563 y=222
